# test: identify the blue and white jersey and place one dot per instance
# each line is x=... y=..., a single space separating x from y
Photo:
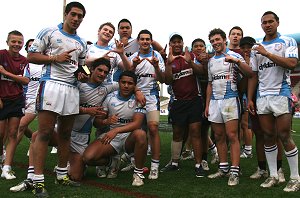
x=35 y=72
x=91 y=95
x=123 y=107
x=145 y=72
x=96 y=51
x=223 y=76
x=272 y=78
x=54 y=41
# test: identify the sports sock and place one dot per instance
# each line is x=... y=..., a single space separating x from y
x=30 y=172
x=292 y=157
x=271 y=155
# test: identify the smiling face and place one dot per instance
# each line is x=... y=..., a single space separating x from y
x=177 y=45
x=269 y=25
x=73 y=20
x=218 y=43
x=15 y=44
x=199 y=47
x=145 y=43
x=106 y=33
x=99 y=74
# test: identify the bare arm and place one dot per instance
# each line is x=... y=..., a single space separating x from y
x=252 y=84
x=19 y=79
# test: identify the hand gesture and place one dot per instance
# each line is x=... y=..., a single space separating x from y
x=260 y=49
x=154 y=60
x=64 y=57
x=163 y=53
x=119 y=47
x=203 y=58
x=82 y=77
x=112 y=119
x=230 y=59
x=187 y=55
x=124 y=40
x=136 y=60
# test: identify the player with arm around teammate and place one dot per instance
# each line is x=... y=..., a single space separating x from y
x=125 y=117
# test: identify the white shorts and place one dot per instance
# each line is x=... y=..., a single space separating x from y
x=58 y=97
x=30 y=106
x=276 y=105
x=118 y=143
x=222 y=111
x=152 y=103
x=79 y=142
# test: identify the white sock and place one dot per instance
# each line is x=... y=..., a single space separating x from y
x=271 y=155
x=6 y=168
x=292 y=157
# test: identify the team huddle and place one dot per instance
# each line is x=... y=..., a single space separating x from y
x=71 y=86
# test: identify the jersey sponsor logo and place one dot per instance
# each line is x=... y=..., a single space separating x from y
x=3 y=77
x=86 y=105
x=122 y=120
x=221 y=77
x=266 y=65
x=73 y=62
x=128 y=54
x=35 y=79
x=131 y=104
x=183 y=73
x=146 y=75
x=278 y=46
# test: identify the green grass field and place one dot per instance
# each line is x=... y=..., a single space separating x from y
x=182 y=183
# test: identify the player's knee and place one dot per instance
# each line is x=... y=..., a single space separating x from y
x=140 y=136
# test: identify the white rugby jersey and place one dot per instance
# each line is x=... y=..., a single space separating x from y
x=123 y=107
x=130 y=48
x=91 y=95
x=35 y=72
x=223 y=76
x=54 y=41
x=96 y=51
x=274 y=79
x=145 y=72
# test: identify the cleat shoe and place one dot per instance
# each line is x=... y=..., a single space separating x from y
x=112 y=173
x=153 y=173
x=214 y=158
x=281 y=178
x=292 y=186
x=270 y=182
x=218 y=174
x=199 y=172
x=124 y=158
x=204 y=165
x=54 y=150
x=129 y=167
x=169 y=167
x=233 y=179
x=138 y=179
x=259 y=174
x=101 y=171
x=24 y=185
x=40 y=190
x=66 y=181
x=8 y=174
x=245 y=155
x=187 y=155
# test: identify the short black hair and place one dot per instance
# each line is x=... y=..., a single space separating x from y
x=217 y=31
x=27 y=44
x=236 y=28
x=14 y=32
x=271 y=12
x=198 y=40
x=144 y=32
x=124 y=21
x=101 y=61
x=129 y=74
x=75 y=4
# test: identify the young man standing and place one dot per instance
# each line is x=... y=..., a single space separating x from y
x=272 y=62
x=149 y=66
x=12 y=65
x=222 y=103
x=62 y=52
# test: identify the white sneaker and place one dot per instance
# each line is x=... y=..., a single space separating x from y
x=218 y=174
x=281 y=178
x=259 y=174
x=233 y=180
x=138 y=179
x=245 y=155
x=24 y=185
x=8 y=174
x=269 y=182
x=214 y=158
x=113 y=170
x=204 y=165
x=292 y=186
x=101 y=171
x=153 y=173
x=54 y=150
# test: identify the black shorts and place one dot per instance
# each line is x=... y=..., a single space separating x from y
x=12 y=108
x=185 y=112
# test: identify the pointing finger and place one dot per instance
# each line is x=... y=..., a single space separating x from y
x=72 y=50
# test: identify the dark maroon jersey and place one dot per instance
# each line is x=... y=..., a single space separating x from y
x=185 y=84
x=10 y=89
